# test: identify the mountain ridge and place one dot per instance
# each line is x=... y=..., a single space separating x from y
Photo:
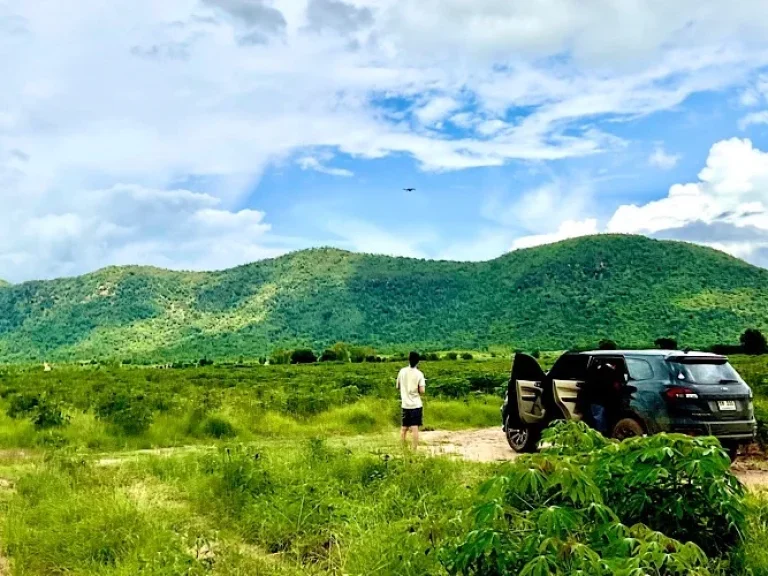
x=627 y=288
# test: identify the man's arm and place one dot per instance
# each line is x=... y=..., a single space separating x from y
x=422 y=386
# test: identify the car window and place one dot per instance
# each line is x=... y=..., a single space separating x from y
x=706 y=373
x=570 y=367
x=639 y=369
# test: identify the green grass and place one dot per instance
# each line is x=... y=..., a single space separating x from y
x=288 y=471
x=303 y=508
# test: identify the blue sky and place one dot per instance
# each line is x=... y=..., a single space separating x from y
x=202 y=134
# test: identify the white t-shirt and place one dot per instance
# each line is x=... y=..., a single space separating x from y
x=409 y=381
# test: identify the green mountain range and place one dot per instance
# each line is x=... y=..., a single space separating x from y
x=626 y=288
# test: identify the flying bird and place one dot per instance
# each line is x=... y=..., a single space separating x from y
x=409 y=189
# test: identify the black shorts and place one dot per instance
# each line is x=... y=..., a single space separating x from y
x=412 y=417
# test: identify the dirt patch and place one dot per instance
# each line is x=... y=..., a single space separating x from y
x=484 y=445
x=120 y=458
x=490 y=445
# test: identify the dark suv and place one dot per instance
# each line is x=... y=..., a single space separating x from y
x=694 y=393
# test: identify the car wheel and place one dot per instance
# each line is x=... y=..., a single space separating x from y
x=523 y=439
x=627 y=428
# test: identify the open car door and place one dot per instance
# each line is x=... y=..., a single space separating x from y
x=524 y=393
x=568 y=377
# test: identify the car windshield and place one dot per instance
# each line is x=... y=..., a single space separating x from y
x=706 y=372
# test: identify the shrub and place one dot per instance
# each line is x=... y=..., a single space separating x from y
x=280 y=356
x=43 y=411
x=22 y=405
x=466 y=356
x=753 y=342
x=451 y=356
x=536 y=354
x=329 y=356
x=49 y=414
x=303 y=356
x=588 y=505
x=666 y=343
x=129 y=413
x=607 y=345
x=218 y=427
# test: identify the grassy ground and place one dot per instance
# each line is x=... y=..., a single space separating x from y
x=291 y=470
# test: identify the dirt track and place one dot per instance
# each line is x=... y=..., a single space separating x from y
x=489 y=445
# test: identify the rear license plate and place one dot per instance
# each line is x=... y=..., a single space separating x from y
x=726 y=405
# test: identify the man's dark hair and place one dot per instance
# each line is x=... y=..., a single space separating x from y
x=413 y=359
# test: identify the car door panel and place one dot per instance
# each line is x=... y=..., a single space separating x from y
x=524 y=393
x=567 y=397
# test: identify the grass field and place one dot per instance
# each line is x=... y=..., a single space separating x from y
x=278 y=470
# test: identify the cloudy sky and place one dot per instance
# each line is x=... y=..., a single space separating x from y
x=201 y=134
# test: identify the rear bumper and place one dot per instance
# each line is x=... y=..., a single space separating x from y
x=739 y=430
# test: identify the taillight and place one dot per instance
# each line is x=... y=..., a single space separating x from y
x=680 y=393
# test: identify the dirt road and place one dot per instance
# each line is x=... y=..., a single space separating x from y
x=489 y=445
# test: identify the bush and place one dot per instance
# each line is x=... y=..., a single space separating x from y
x=592 y=506
x=466 y=356
x=43 y=411
x=129 y=413
x=607 y=345
x=536 y=354
x=22 y=405
x=303 y=356
x=665 y=343
x=218 y=427
x=451 y=356
x=329 y=356
x=753 y=342
x=280 y=356
x=49 y=414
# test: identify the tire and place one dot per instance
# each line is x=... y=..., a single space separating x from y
x=522 y=440
x=627 y=428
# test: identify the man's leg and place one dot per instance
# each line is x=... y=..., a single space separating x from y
x=415 y=436
x=403 y=432
x=598 y=415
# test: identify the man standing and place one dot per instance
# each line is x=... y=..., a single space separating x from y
x=410 y=382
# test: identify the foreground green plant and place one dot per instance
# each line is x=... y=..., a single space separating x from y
x=586 y=505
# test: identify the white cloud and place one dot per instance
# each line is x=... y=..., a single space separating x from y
x=726 y=208
x=662 y=159
x=152 y=93
x=436 y=109
x=568 y=229
x=312 y=163
x=753 y=118
x=127 y=225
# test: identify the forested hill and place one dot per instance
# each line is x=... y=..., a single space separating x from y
x=573 y=293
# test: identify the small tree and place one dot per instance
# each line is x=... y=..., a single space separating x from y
x=606 y=344
x=666 y=343
x=341 y=349
x=329 y=356
x=280 y=356
x=303 y=356
x=451 y=356
x=466 y=356
x=753 y=342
